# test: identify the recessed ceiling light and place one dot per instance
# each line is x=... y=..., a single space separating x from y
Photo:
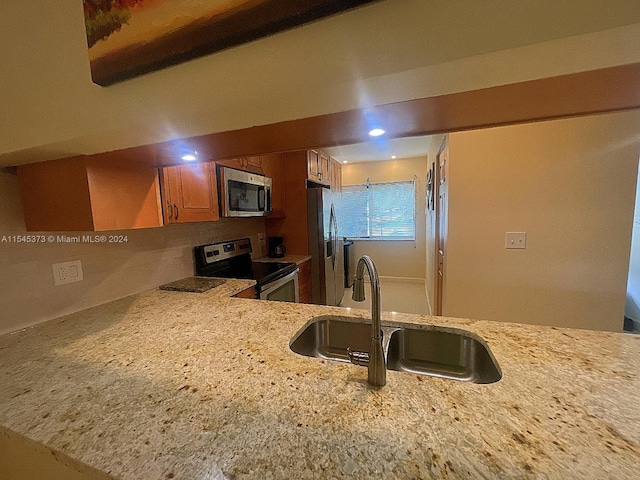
x=376 y=132
x=345 y=161
x=190 y=157
x=393 y=157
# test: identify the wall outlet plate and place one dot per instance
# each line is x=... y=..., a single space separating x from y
x=262 y=244
x=516 y=240
x=67 y=272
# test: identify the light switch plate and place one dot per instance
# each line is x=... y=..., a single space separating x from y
x=516 y=240
x=67 y=272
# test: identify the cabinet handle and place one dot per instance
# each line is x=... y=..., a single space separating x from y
x=175 y=207
x=170 y=208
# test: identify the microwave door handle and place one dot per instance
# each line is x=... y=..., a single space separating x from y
x=267 y=196
x=261 y=198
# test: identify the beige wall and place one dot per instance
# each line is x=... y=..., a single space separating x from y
x=570 y=184
x=393 y=258
x=150 y=258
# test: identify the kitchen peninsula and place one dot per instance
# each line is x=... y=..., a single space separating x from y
x=200 y=386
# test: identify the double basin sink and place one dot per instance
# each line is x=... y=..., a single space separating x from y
x=419 y=349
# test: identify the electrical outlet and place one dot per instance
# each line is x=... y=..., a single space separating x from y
x=516 y=240
x=262 y=243
x=67 y=272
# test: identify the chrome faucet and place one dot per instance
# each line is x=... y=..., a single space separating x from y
x=374 y=359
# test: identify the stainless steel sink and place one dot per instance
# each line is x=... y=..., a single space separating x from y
x=422 y=350
x=329 y=337
x=455 y=355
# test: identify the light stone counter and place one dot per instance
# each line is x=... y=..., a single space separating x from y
x=166 y=385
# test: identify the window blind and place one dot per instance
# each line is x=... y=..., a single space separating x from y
x=384 y=211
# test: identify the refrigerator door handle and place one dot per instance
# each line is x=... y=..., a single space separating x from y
x=333 y=230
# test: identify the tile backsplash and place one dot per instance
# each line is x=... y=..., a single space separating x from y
x=149 y=257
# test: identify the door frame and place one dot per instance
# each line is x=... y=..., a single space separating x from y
x=439 y=285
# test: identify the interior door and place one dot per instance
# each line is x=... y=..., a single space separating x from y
x=441 y=225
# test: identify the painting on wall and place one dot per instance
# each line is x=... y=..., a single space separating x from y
x=127 y=38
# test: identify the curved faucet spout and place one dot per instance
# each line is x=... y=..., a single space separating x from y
x=377 y=369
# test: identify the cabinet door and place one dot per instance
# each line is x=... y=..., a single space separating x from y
x=190 y=193
x=324 y=168
x=247 y=164
x=253 y=162
x=312 y=164
x=108 y=191
x=318 y=168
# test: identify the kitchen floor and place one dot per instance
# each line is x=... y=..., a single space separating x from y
x=397 y=296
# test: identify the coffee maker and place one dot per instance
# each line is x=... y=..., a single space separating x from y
x=276 y=247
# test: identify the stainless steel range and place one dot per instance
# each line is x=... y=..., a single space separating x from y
x=232 y=259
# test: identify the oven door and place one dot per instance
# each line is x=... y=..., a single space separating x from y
x=284 y=289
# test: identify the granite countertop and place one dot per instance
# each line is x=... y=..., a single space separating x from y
x=175 y=385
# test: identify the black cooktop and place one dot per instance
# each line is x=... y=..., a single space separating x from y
x=261 y=272
x=233 y=260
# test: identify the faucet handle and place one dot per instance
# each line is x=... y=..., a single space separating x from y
x=358 y=358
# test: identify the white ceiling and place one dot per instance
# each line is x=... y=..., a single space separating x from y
x=381 y=149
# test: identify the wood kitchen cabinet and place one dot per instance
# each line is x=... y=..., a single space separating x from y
x=304 y=282
x=294 y=226
x=247 y=293
x=109 y=191
x=318 y=167
x=274 y=168
x=251 y=164
x=189 y=193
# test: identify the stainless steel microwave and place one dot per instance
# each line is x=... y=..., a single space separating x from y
x=243 y=194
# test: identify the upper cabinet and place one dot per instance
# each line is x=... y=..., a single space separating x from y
x=189 y=193
x=323 y=169
x=251 y=164
x=108 y=191
x=318 y=166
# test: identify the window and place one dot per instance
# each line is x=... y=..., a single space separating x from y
x=380 y=211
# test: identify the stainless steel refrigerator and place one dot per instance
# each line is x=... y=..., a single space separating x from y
x=325 y=246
